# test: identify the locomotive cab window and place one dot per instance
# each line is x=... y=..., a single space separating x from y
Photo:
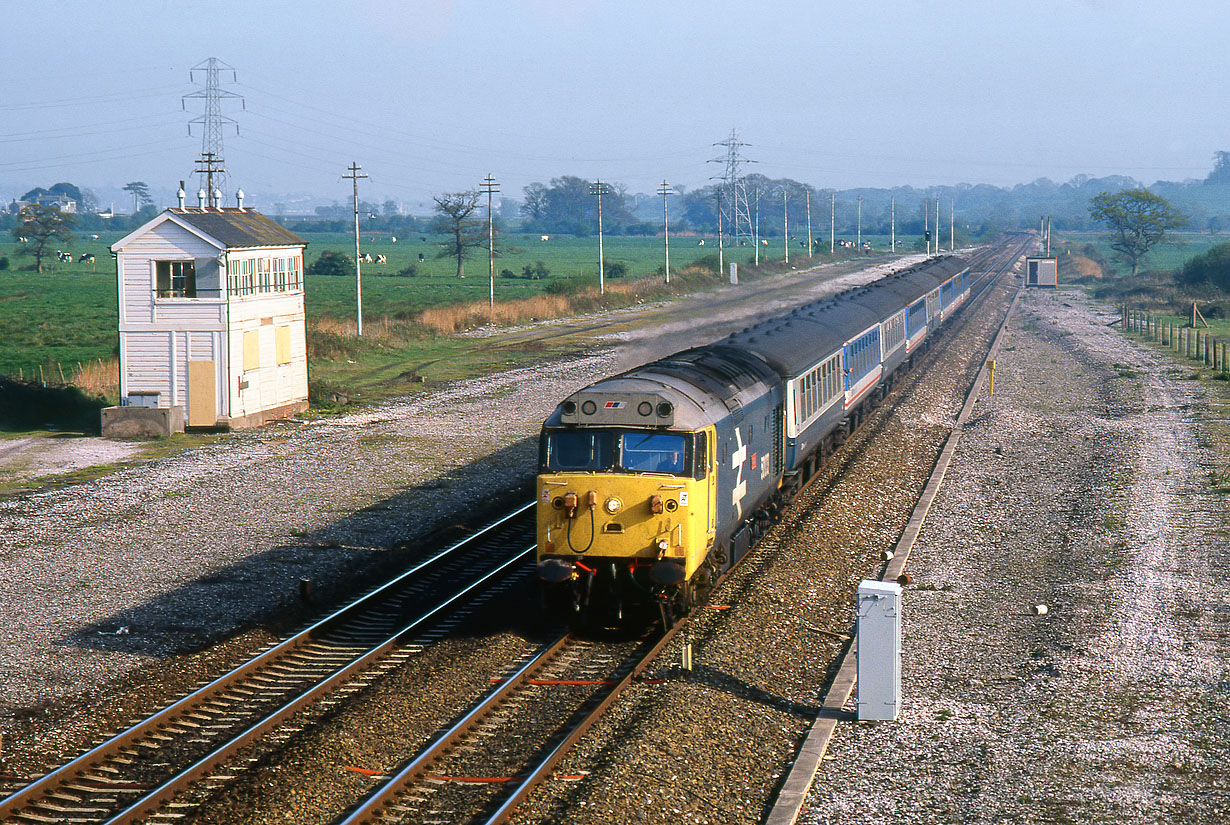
x=653 y=453
x=636 y=451
x=578 y=450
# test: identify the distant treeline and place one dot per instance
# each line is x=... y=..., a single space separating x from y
x=567 y=205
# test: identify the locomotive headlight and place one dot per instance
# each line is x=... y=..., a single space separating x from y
x=663 y=545
x=613 y=505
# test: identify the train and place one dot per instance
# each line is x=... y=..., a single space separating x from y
x=654 y=482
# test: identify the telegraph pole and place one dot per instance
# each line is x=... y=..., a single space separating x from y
x=832 y=222
x=490 y=187
x=756 y=232
x=952 y=224
x=208 y=166
x=599 y=188
x=892 y=206
x=786 y=223
x=927 y=222
x=809 y=223
x=358 y=269
x=859 y=242
x=665 y=190
x=721 y=256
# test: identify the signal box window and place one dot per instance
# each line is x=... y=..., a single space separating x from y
x=175 y=279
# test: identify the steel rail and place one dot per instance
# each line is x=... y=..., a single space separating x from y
x=372 y=808
x=538 y=775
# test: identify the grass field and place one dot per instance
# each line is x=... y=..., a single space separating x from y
x=67 y=315
x=1168 y=256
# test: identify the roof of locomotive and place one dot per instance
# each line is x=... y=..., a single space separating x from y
x=702 y=386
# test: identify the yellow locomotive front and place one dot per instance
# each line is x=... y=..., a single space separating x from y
x=626 y=511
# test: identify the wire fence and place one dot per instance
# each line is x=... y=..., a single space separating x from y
x=100 y=376
x=1197 y=344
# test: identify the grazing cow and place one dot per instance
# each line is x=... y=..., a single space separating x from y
x=64 y=257
x=394 y=239
x=546 y=238
x=701 y=242
x=87 y=258
x=23 y=239
x=380 y=259
x=365 y=258
x=420 y=257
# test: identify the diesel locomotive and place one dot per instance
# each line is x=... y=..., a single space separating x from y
x=653 y=482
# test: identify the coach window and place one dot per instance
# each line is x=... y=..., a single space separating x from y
x=174 y=279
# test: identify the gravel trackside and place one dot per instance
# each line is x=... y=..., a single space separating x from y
x=1082 y=485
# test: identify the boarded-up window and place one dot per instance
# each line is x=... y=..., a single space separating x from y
x=251 y=350
x=282 y=336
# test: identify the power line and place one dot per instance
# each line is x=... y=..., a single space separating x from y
x=740 y=217
x=212 y=121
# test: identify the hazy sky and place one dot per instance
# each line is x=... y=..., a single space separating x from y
x=430 y=95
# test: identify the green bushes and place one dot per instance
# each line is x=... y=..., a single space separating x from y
x=332 y=263
x=1211 y=267
x=571 y=286
x=530 y=272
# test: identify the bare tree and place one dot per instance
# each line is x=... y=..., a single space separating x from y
x=458 y=220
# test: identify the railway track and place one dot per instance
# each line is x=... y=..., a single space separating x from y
x=145 y=770
x=483 y=766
